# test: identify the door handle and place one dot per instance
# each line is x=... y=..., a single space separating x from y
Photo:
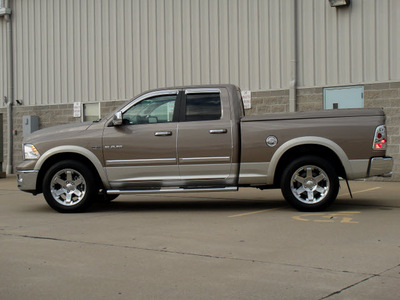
x=218 y=131
x=163 y=133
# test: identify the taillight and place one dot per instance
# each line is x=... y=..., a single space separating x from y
x=380 y=138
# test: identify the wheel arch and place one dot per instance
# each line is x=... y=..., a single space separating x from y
x=321 y=147
x=65 y=153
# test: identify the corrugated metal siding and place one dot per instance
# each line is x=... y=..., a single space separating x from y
x=358 y=44
x=97 y=50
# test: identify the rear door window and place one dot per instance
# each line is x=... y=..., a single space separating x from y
x=203 y=107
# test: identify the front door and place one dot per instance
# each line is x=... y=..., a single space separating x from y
x=142 y=151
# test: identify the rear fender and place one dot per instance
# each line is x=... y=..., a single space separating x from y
x=310 y=140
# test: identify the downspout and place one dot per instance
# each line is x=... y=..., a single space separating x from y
x=293 y=57
x=10 y=89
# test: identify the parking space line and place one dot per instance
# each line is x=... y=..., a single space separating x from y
x=362 y=191
x=275 y=208
x=254 y=212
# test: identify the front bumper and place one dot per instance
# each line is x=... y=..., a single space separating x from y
x=27 y=180
x=380 y=166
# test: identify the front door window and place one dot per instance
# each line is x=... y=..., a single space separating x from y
x=153 y=110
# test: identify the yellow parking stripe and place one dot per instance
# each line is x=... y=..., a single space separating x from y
x=363 y=191
x=265 y=210
x=254 y=212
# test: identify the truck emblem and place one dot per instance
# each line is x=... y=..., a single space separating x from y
x=271 y=141
x=113 y=147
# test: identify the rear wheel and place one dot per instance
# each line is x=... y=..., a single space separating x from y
x=310 y=183
x=69 y=186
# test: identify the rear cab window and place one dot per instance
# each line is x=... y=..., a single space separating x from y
x=202 y=106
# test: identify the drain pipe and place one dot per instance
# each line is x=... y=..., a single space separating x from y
x=6 y=12
x=293 y=58
x=9 y=169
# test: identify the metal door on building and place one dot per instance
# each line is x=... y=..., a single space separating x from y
x=344 y=97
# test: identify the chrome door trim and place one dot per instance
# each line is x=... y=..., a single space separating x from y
x=149 y=95
x=204 y=159
x=202 y=91
x=131 y=162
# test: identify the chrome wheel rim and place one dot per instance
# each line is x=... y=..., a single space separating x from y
x=310 y=184
x=68 y=187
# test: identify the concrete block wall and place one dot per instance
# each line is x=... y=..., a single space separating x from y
x=110 y=106
x=49 y=115
x=387 y=96
x=269 y=102
x=278 y=101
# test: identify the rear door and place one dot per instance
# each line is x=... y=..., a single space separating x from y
x=205 y=144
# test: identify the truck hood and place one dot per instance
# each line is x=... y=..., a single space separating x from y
x=57 y=130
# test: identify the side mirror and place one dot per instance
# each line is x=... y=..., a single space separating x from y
x=117 y=120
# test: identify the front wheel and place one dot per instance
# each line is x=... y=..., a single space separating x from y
x=107 y=198
x=310 y=183
x=69 y=186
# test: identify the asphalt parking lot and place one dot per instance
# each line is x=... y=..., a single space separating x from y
x=236 y=245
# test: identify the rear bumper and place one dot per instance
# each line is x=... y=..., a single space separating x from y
x=380 y=166
x=27 y=180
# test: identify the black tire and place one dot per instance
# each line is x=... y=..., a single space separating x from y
x=310 y=183
x=69 y=187
x=107 y=198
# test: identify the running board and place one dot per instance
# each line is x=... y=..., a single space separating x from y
x=173 y=190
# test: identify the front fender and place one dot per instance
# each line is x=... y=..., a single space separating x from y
x=77 y=150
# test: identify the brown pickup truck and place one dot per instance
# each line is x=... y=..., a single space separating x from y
x=197 y=138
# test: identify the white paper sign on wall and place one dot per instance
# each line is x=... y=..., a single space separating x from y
x=77 y=109
x=246 y=95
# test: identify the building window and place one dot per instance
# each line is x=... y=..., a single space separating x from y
x=344 y=97
x=91 y=111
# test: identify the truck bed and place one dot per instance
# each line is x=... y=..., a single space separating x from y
x=334 y=113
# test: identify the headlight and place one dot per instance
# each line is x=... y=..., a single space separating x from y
x=30 y=152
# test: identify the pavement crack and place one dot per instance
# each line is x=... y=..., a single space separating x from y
x=359 y=282
x=348 y=287
x=163 y=250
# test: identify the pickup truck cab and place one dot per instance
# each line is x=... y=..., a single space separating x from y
x=197 y=138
